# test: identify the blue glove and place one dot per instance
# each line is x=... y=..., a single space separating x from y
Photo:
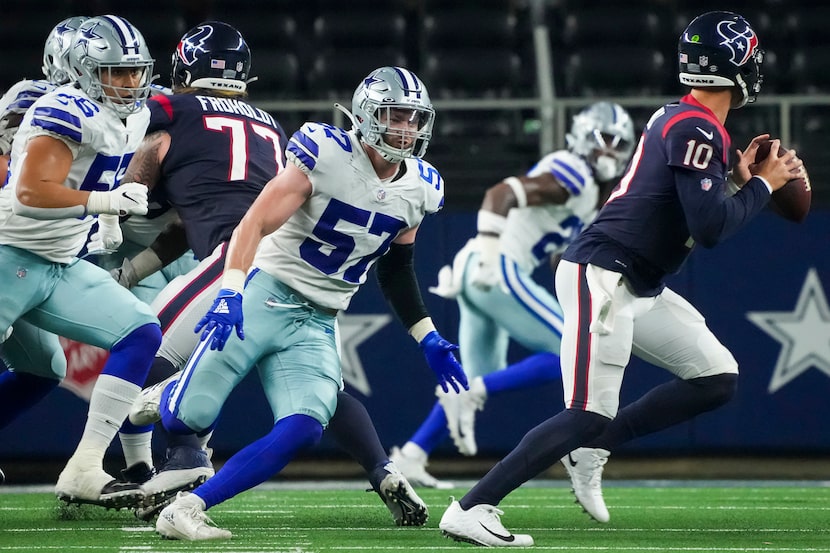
x=221 y=318
x=439 y=354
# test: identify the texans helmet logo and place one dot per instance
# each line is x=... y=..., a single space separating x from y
x=739 y=37
x=188 y=48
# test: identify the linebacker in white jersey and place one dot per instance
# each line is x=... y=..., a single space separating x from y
x=65 y=165
x=344 y=201
x=523 y=222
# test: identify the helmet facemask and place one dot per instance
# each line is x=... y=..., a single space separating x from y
x=124 y=100
x=398 y=132
x=393 y=113
x=103 y=48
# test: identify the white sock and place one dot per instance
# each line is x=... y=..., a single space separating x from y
x=109 y=405
x=414 y=451
x=189 y=499
x=137 y=448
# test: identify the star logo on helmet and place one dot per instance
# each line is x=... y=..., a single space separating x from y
x=64 y=28
x=370 y=80
x=86 y=35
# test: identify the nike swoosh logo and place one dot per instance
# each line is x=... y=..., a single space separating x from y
x=129 y=197
x=709 y=135
x=571 y=460
x=509 y=538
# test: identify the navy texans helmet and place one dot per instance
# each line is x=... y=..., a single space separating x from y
x=212 y=55
x=720 y=49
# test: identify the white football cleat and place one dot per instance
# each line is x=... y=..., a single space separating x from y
x=414 y=469
x=585 y=466
x=146 y=408
x=92 y=485
x=406 y=507
x=480 y=525
x=185 y=519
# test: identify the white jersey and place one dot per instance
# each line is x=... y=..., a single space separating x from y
x=536 y=232
x=16 y=101
x=101 y=145
x=325 y=249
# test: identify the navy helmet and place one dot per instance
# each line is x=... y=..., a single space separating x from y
x=212 y=55
x=720 y=49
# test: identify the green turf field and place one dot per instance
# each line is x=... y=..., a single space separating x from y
x=655 y=518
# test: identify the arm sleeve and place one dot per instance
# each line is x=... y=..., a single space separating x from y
x=713 y=216
x=170 y=244
x=397 y=280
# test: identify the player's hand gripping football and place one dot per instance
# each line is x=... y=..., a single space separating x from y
x=223 y=316
x=442 y=361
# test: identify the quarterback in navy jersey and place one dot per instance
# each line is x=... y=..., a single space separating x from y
x=610 y=282
x=523 y=222
x=677 y=183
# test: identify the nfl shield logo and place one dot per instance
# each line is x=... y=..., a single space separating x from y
x=706 y=184
x=22 y=272
x=704 y=61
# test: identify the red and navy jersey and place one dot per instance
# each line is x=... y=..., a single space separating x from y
x=672 y=196
x=222 y=153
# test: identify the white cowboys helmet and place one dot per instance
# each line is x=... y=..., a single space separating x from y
x=105 y=43
x=56 y=51
x=603 y=134
x=386 y=89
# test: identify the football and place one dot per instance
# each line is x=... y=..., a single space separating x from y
x=791 y=201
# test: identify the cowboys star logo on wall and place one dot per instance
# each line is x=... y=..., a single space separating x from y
x=354 y=330
x=804 y=333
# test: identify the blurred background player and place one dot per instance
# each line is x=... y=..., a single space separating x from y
x=610 y=281
x=19 y=98
x=13 y=106
x=523 y=222
x=297 y=284
x=65 y=158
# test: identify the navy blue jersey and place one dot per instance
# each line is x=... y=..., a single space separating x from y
x=222 y=152
x=672 y=196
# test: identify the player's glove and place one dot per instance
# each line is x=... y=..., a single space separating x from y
x=128 y=199
x=223 y=316
x=125 y=274
x=487 y=272
x=442 y=361
x=107 y=238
